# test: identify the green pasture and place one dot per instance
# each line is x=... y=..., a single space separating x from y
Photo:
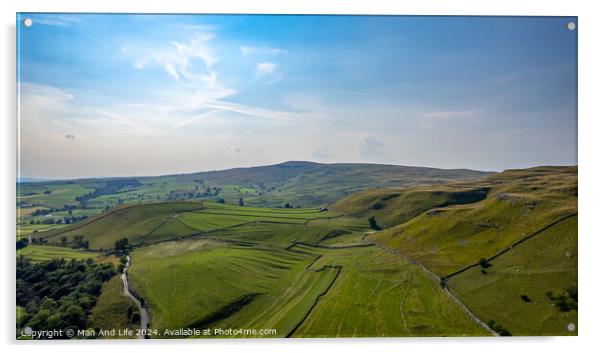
x=546 y=262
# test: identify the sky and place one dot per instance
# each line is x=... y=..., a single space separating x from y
x=132 y=95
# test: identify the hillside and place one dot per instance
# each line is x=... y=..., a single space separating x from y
x=454 y=234
x=506 y=246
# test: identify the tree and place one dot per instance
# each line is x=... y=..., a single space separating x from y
x=21 y=243
x=373 y=224
x=484 y=264
x=122 y=245
x=74 y=316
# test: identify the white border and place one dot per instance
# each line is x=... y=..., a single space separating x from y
x=590 y=197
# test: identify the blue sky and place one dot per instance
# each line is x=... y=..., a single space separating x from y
x=112 y=95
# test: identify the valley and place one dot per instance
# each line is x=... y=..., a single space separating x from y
x=308 y=250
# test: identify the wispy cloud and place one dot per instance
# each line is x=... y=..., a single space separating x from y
x=255 y=111
x=191 y=120
x=245 y=50
x=176 y=58
x=264 y=69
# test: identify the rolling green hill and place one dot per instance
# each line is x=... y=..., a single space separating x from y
x=423 y=258
x=450 y=237
x=153 y=222
x=296 y=184
x=506 y=246
x=284 y=277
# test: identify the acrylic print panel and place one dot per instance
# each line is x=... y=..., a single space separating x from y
x=237 y=176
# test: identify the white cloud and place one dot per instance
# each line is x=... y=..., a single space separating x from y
x=176 y=58
x=264 y=69
x=245 y=50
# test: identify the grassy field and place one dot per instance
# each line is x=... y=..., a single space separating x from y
x=45 y=252
x=51 y=194
x=202 y=278
x=546 y=262
x=112 y=308
x=379 y=294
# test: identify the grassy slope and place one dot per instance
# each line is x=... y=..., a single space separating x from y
x=153 y=222
x=110 y=311
x=199 y=277
x=132 y=222
x=520 y=202
x=394 y=206
x=546 y=262
x=379 y=294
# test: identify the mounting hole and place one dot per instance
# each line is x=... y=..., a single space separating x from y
x=27 y=22
x=571 y=26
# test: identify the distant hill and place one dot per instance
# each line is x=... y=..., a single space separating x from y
x=294 y=184
x=310 y=184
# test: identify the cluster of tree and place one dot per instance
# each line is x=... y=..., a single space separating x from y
x=79 y=242
x=566 y=301
x=183 y=194
x=45 y=211
x=59 y=294
x=498 y=328
x=122 y=245
x=288 y=205
x=62 y=220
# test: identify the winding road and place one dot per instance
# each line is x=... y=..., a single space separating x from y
x=126 y=291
